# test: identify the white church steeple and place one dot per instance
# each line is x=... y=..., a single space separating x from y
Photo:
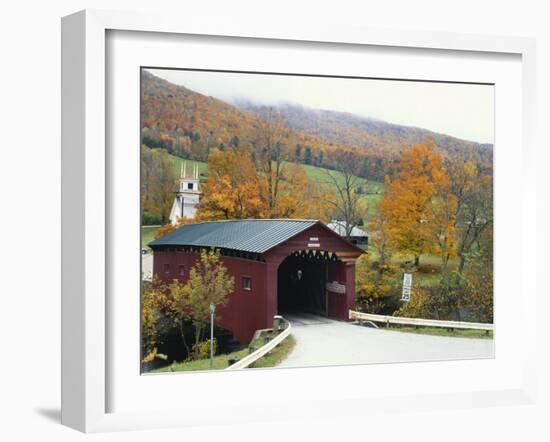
x=187 y=196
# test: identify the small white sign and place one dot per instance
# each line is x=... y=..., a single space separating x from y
x=406 y=295
x=407 y=285
x=314 y=239
x=313 y=245
x=336 y=287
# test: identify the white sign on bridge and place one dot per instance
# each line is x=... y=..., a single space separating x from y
x=407 y=286
x=336 y=287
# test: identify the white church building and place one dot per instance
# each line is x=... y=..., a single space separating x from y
x=187 y=196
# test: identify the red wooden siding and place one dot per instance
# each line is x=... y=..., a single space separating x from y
x=250 y=310
x=339 y=304
x=240 y=314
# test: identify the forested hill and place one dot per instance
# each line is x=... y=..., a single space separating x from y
x=368 y=133
x=189 y=125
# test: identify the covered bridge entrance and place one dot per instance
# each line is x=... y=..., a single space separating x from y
x=302 y=282
x=279 y=266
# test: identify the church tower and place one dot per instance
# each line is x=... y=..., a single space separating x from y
x=187 y=196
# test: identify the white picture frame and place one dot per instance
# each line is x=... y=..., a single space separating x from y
x=85 y=198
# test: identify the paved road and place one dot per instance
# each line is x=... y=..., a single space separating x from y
x=322 y=341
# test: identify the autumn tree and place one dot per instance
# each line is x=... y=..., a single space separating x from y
x=272 y=155
x=479 y=285
x=301 y=197
x=238 y=188
x=377 y=285
x=169 y=227
x=233 y=189
x=407 y=202
x=379 y=240
x=209 y=283
x=442 y=219
x=348 y=205
x=474 y=212
x=149 y=331
x=157 y=318
x=158 y=180
x=443 y=301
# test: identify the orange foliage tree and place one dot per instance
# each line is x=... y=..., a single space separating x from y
x=237 y=189
x=300 y=197
x=408 y=201
x=233 y=189
x=442 y=219
x=474 y=196
x=167 y=228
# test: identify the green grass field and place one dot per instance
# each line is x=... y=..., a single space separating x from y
x=429 y=272
x=373 y=189
x=277 y=355
x=221 y=362
x=147 y=234
x=439 y=331
x=189 y=164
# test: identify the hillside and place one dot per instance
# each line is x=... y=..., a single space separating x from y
x=189 y=125
x=371 y=191
x=375 y=136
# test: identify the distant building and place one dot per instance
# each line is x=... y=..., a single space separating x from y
x=357 y=236
x=279 y=267
x=187 y=196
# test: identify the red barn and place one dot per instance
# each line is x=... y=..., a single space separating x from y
x=279 y=266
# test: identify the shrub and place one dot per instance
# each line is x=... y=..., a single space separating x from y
x=443 y=301
x=147 y=219
x=377 y=286
x=202 y=349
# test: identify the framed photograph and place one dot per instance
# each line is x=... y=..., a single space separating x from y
x=291 y=222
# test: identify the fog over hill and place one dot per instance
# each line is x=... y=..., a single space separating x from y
x=189 y=124
x=350 y=129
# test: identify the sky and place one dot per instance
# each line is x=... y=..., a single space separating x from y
x=462 y=110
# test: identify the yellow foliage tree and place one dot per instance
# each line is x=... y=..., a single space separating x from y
x=209 y=284
x=442 y=220
x=407 y=203
x=167 y=228
x=233 y=189
x=300 y=197
x=236 y=189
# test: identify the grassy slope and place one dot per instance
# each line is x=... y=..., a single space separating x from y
x=221 y=362
x=189 y=165
x=277 y=355
x=429 y=271
x=428 y=274
x=438 y=331
x=147 y=234
x=373 y=189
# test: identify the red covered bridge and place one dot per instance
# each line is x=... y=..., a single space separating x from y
x=279 y=266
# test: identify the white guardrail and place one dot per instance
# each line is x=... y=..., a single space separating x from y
x=253 y=357
x=417 y=321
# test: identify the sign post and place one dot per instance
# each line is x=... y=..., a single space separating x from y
x=407 y=286
x=212 y=312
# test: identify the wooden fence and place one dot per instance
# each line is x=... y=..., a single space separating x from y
x=359 y=316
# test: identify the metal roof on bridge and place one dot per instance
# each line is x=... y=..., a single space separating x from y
x=255 y=236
